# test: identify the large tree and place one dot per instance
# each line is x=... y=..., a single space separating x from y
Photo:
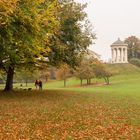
x=74 y=36
x=31 y=29
x=133 y=47
x=23 y=33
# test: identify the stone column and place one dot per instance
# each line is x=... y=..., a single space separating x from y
x=122 y=55
x=114 y=50
x=112 y=55
x=126 y=55
x=117 y=55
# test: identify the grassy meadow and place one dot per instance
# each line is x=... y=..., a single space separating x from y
x=95 y=112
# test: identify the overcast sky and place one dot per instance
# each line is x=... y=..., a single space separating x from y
x=112 y=19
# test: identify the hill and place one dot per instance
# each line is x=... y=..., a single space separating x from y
x=123 y=68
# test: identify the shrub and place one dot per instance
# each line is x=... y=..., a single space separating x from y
x=135 y=61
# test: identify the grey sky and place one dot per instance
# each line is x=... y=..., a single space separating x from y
x=112 y=19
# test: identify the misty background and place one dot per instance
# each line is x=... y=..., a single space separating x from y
x=112 y=19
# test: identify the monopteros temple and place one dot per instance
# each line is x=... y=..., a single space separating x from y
x=119 y=52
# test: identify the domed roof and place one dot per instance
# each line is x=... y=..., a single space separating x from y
x=118 y=43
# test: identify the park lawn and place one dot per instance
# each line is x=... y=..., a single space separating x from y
x=88 y=112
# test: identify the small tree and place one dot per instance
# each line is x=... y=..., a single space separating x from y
x=101 y=72
x=64 y=72
x=44 y=74
x=80 y=74
x=85 y=71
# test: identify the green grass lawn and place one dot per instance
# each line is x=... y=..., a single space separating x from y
x=96 y=112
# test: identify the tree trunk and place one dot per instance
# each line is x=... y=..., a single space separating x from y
x=107 y=81
x=81 y=82
x=87 y=81
x=9 y=81
x=64 y=82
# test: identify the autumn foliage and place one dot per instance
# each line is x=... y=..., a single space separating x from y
x=70 y=115
x=33 y=30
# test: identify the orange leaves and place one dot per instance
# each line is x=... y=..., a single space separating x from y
x=56 y=115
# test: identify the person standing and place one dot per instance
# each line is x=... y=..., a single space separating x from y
x=36 y=84
x=40 y=84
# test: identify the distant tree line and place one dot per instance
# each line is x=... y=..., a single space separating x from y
x=88 y=69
